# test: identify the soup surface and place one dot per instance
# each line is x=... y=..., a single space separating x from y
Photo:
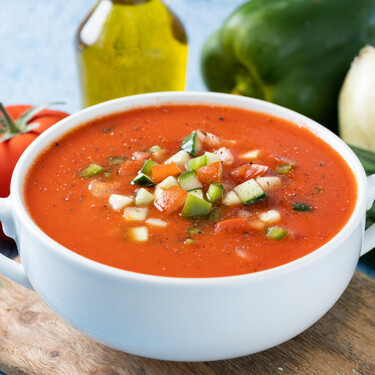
x=190 y=191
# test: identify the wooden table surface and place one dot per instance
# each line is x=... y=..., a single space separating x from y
x=34 y=341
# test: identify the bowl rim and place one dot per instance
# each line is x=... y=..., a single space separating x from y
x=176 y=98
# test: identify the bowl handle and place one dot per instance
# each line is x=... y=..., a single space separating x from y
x=8 y=267
x=369 y=239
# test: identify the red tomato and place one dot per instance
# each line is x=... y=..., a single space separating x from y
x=12 y=149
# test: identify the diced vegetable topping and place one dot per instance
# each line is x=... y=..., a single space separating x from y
x=247 y=171
x=171 y=199
x=211 y=157
x=249 y=192
x=197 y=192
x=231 y=224
x=135 y=213
x=195 y=206
x=197 y=162
x=100 y=189
x=214 y=215
x=156 y=223
x=118 y=202
x=180 y=159
x=225 y=155
x=284 y=168
x=270 y=217
x=143 y=180
x=116 y=160
x=137 y=234
x=268 y=183
x=276 y=233
x=214 y=192
x=167 y=183
x=189 y=181
x=189 y=241
x=191 y=144
x=143 y=198
x=162 y=171
x=91 y=171
x=250 y=155
x=157 y=152
x=303 y=207
x=147 y=167
x=210 y=173
x=231 y=199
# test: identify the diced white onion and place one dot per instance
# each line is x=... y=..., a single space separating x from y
x=135 y=213
x=250 y=155
x=167 y=183
x=138 y=234
x=270 y=217
x=225 y=155
x=268 y=183
x=118 y=202
x=156 y=223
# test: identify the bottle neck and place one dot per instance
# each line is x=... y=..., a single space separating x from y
x=130 y=2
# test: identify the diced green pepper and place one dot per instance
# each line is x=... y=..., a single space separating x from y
x=284 y=168
x=214 y=192
x=195 y=206
x=147 y=167
x=143 y=180
x=196 y=163
x=303 y=207
x=276 y=233
x=91 y=171
x=191 y=144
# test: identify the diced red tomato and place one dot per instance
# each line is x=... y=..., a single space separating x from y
x=248 y=171
x=210 y=173
x=231 y=225
x=162 y=171
x=171 y=199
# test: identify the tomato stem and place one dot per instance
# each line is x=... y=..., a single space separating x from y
x=10 y=126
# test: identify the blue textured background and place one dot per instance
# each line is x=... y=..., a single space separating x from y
x=37 y=63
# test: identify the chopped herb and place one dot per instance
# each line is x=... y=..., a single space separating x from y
x=106 y=130
x=303 y=207
x=284 y=168
x=116 y=160
x=91 y=171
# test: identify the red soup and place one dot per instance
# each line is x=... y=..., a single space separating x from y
x=190 y=191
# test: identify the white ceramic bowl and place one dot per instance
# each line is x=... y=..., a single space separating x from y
x=184 y=319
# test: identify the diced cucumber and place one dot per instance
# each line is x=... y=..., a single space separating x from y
x=118 y=202
x=211 y=157
x=276 y=233
x=284 y=168
x=143 y=180
x=196 y=163
x=303 y=207
x=135 y=213
x=270 y=217
x=147 y=167
x=214 y=192
x=249 y=192
x=268 y=183
x=191 y=144
x=143 y=198
x=231 y=199
x=137 y=234
x=189 y=181
x=91 y=171
x=156 y=223
x=167 y=183
x=116 y=160
x=197 y=192
x=250 y=155
x=195 y=206
x=180 y=159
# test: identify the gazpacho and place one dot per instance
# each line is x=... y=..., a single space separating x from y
x=190 y=191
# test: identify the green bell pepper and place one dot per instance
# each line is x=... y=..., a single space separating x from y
x=291 y=52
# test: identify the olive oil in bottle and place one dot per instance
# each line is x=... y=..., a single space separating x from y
x=127 y=47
